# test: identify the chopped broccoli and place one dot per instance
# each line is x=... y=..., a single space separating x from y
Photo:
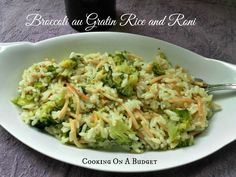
x=51 y=68
x=48 y=79
x=126 y=91
x=60 y=100
x=45 y=122
x=124 y=66
x=120 y=57
x=77 y=57
x=183 y=114
x=185 y=118
x=120 y=133
x=108 y=79
x=175 y=128
x=157 y=70
x=186 y=142
x=29 y=97
x=39 y=85
x=172 y=130
x=20 y=101
x=161 y=64
x=56 y=130
x=45 y=118
x=69 y=63
x=133 y=78
x=115 y=82
x=129 y=89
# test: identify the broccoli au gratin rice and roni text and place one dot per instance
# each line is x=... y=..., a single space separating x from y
x=115 y=101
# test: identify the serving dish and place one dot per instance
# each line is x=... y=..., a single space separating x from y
x=14 y=58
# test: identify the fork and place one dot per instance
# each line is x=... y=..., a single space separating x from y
x=214 y=87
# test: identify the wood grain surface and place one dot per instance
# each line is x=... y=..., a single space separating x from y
x=214 y=36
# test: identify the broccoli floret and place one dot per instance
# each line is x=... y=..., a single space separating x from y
x=126 y=91
x=120 y=133
x=52 y=68
x=29 y=97
x=77 y=56
x=161 y=64
x=172 y=130
x=19 y=101
x=60 y=100
x=186 y=142
x=39 y=85
x=55 y=130
x=45 y=122
x=175 y=128
x=129 y=89
x=115 y=82
x=69 y=63
x=133 y=78
x=120 y=57
x=108 y=79
x=185 y=118
x=157 y=70
x=125 y=66
x=183 y=114
x=45 y=118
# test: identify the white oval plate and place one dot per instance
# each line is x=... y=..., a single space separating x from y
x=16 y=57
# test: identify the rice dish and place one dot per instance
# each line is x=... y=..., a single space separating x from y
x=115 y=101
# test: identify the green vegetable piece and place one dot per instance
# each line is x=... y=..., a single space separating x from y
x=49 y=78
x=120 y=133
x=69 y=63
x=14 y=100
x=38 y=85
x=157 y=70
x=54 y=72
x=133 y=78
x=172 y=130
x=116 y=82
x=29 y=97
x=45 y=119
x=120 y=57
x=161 y=54
x=60 y=100
x=184 y=143
x=45 y=122
x=55 y=130
x=51 y=68
x=183 y=114
x=185 y=118
x=126 y=91
x=175 y=128
x=125 y=67
x=20 y=101
x=129 y=89
x=108 y=79
x=77 y=57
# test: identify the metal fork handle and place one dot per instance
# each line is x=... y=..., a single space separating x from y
x=216 y=87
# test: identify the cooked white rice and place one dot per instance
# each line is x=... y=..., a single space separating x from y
x=114 y=101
